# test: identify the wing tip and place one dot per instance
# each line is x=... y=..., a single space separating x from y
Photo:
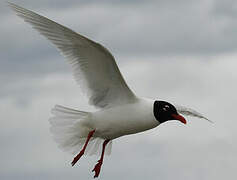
x=16 y=8
x=191 y=112
x=11 y=5
x=208 y=120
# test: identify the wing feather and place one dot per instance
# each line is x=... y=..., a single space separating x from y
x=94 y=67
x=190 y=112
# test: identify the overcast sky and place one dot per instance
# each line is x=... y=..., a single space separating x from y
x=184 y=52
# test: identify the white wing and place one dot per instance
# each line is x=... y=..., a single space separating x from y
x=190 y=112
x=94 y=67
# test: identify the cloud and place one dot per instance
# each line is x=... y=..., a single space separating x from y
x=170 y=147
x=182 y=52
x=155 y=28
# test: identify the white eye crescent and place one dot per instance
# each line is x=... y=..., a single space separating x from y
x=167 y=106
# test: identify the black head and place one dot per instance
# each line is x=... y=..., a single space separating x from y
x=164 y=111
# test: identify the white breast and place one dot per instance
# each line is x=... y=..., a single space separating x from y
x=122 y=120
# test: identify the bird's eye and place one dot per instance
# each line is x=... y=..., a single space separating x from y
x=166 y=108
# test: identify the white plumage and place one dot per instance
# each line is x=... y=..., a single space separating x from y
x=120 y=111
x=93 y=65
x=95 y=71
x=70 y=133
x=190 y=112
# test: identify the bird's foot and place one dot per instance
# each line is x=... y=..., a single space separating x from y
x=97 y=168
x=83 y=149
x=77 y=158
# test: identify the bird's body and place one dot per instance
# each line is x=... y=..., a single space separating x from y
x=123 y=120
x=120 y=112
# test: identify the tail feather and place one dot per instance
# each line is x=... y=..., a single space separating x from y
x=62 y=111
x=70 y=132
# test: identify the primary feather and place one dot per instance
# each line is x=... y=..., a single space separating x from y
x=94 y=67
x=190 y=112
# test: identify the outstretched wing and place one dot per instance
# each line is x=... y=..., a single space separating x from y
x=94 y=67
x=190 y=112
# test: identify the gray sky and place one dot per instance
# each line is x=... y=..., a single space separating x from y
x=180 y=51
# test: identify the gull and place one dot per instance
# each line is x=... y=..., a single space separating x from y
x=119 y=111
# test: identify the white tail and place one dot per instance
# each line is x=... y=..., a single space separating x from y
x=70 y=131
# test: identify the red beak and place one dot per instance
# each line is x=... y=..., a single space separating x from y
x=179 y=118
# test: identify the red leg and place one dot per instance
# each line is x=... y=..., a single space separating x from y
x=83 y=149
x=100 y=162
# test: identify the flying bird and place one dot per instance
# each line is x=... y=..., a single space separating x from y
x=119 y=111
